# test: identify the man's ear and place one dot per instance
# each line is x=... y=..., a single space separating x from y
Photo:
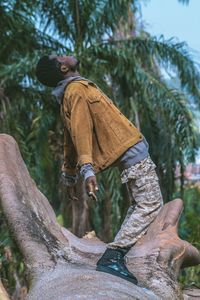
x=64 y=69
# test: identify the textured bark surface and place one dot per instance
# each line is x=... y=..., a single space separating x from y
x=3 y=293
x=62 y=266
x=191 y=294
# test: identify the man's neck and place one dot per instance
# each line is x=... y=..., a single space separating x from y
x=72 y=74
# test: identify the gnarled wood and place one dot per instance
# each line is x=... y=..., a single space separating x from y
x=3 y=293
x=62 y=266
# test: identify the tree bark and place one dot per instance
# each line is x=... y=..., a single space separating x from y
x=106 y=216
x=80 y=211
x=62 y=266
x=3 y=293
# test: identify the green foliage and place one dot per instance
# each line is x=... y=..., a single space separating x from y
x=11 y=265
x=125 y=65
x=190 y=231
x=190 y=218
x=109 y=191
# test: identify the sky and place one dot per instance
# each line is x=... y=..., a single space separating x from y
x=173 y=19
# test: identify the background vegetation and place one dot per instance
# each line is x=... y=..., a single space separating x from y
x=127 y=63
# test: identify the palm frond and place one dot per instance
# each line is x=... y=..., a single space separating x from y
x=121 y=54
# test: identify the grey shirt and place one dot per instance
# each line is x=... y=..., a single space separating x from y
x=131 y=157
x=58 y=91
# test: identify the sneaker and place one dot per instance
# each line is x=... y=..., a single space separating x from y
x=113 y=262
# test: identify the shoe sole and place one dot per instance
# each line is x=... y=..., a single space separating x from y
x=113 y=272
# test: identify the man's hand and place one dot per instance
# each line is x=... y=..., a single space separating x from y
x=91 y=187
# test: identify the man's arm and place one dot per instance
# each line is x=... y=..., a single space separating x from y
x=87 y=172
x=68 y=175
x=81 y=128
x=70 y=157
x=81 y=132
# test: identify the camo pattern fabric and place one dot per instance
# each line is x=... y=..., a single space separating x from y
x=146 y=199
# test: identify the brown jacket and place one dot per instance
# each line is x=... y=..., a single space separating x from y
x=95 y=130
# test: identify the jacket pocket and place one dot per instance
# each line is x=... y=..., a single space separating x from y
x=118 y=130
x=97 y=105
x=94 y=99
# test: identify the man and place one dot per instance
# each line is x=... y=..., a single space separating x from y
x=96 y=136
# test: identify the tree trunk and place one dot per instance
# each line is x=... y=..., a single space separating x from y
x=81 y=211
x=62 y=266
x=106 y=216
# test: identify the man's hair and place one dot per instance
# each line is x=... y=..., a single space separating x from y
x=48 y=71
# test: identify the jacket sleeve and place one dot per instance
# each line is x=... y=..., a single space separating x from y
x=81 y=128
x=70 y=159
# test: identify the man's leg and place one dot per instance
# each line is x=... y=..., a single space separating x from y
x=144 y=190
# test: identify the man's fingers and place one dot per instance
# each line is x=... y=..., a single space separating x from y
x=95 y=185
x=91 y=186
x=93 y=196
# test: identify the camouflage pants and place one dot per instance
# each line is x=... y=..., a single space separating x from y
x=145 y=195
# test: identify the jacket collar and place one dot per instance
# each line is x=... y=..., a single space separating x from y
x=59 y=90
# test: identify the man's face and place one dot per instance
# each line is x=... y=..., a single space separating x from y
x=69 y=61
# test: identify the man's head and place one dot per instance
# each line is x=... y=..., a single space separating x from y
x=52 y=69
